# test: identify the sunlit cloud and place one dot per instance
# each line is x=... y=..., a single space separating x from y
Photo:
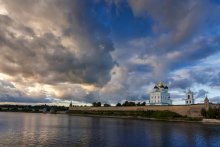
x=55 y=51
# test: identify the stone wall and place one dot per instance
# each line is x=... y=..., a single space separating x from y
x=189 y=110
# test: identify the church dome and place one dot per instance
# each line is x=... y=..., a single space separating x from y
x=155 y=87
x=161 y=84
x=166 y=87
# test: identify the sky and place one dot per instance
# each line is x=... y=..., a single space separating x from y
x=55 y=51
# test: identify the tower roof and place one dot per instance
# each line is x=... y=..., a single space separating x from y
x=161 y=85
x=71 y=104
x=206 y=98
x=155 y=87
x=189 y=91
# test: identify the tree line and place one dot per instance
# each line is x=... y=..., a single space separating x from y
x=126 y=103
x=99 y=104
x=211 y=112
x=30 y=108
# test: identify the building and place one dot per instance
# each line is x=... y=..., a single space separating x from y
x=71 y=104
x=206 y=102
x=160 y=95
x=189 y=98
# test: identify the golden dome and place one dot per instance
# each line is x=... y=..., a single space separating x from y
x=161 y=85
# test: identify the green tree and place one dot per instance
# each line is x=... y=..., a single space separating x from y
x=127 y=103
x=143 y=104
x=96 y=104
x=99 y=104
x=203 y=112
x=218 y=113
x=118 y=104
x=106 y=105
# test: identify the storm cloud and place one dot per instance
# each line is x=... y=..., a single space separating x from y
x=106 y=51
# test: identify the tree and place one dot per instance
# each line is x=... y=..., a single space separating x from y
x=143 y=104
x=138 y=104
x=126 y=103
x=203 y=112
x=99 y=104
x=218 y=113
x=107 y=105
x=118 y=104
x=96 y=104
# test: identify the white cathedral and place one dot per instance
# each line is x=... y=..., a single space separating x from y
x=160 y=95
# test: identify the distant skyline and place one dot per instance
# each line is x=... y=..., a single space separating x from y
x=55 y=51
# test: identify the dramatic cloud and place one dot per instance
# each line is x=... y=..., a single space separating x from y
x=201 y=93
x=215 y=99
x=107 y=51
x=76 y=52
x=50 y=42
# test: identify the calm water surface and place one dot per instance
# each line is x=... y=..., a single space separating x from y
x=26 y=129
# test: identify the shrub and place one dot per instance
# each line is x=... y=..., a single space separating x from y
x=107 y=105
x=211 y=112
x=96 y=104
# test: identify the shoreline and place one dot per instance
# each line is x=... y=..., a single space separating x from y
x=206 y=120
x=136 y=118
x=203 y=120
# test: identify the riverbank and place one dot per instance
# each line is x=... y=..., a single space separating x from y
x=146 y=115
x=141 y=118
x=184 y=119
x=211 y=121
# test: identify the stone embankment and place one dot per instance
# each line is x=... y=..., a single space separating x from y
x=211 y=121
x=184 y=110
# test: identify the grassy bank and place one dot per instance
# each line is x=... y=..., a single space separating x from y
x=149 y=114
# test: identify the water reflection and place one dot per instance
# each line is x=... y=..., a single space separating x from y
x=56 y=130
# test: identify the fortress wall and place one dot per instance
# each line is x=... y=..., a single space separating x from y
x=189 y=110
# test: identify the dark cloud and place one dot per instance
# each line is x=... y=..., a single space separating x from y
x=215 y=99
x=215 y=80
x=180 y=83
x=181 y=20
x=201 y=93
x=8 y=98
x=46 y=55
x=105 y=50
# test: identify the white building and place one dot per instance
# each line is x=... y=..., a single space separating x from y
x=160 y=95
x=189 y=98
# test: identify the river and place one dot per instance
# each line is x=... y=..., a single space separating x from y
x=33 y=129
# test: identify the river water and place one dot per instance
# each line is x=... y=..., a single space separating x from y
x=32 y=129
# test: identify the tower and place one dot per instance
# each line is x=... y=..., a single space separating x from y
x=206 y=102
x=71 y=104
x=189 y=98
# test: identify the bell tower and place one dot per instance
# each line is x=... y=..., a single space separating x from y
x=206 y=103
x=71 y=104
x=189 y=98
